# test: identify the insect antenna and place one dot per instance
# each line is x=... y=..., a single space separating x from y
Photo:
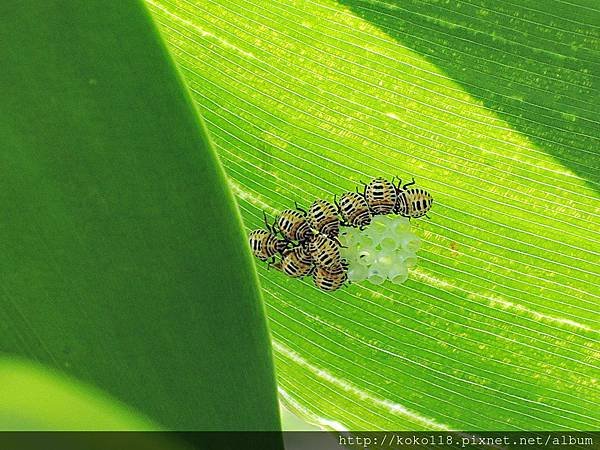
x=335 y=202
x=302 y=210
x=274 y=264
x=409 y=184
x=270 y=228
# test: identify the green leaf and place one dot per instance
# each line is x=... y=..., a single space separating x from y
x=490 y=105
x=36 y=398
x=123 y=260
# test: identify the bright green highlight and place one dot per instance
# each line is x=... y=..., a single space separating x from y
x=36 y=398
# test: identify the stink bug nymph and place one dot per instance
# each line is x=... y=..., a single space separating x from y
x=294 y=225
x=332 y=278
x=264 y=243
x=323 y=218
x=354 y=209
x=413 y=202
x=296 y=262
x=325 y=251
x=380 y=195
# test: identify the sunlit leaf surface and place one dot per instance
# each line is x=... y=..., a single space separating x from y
x=493 y=106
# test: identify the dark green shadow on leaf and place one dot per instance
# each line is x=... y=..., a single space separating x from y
x=536 y=77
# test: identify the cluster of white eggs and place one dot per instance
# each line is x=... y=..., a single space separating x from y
x=384 y=250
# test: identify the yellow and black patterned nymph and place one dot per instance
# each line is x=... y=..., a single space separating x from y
x=296 y=262
x=412 y=202
x=324 y=251
x=264 y=243
x=294 y=225
x=332 y=278
x=354 y=210
x=323 y=217
x=380 y=195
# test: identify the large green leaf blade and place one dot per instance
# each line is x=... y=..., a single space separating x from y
x=498 y=326
x=123 y=261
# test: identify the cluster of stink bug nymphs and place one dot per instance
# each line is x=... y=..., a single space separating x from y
x=363 y=236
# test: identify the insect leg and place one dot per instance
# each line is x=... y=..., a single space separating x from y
x=273 y=263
